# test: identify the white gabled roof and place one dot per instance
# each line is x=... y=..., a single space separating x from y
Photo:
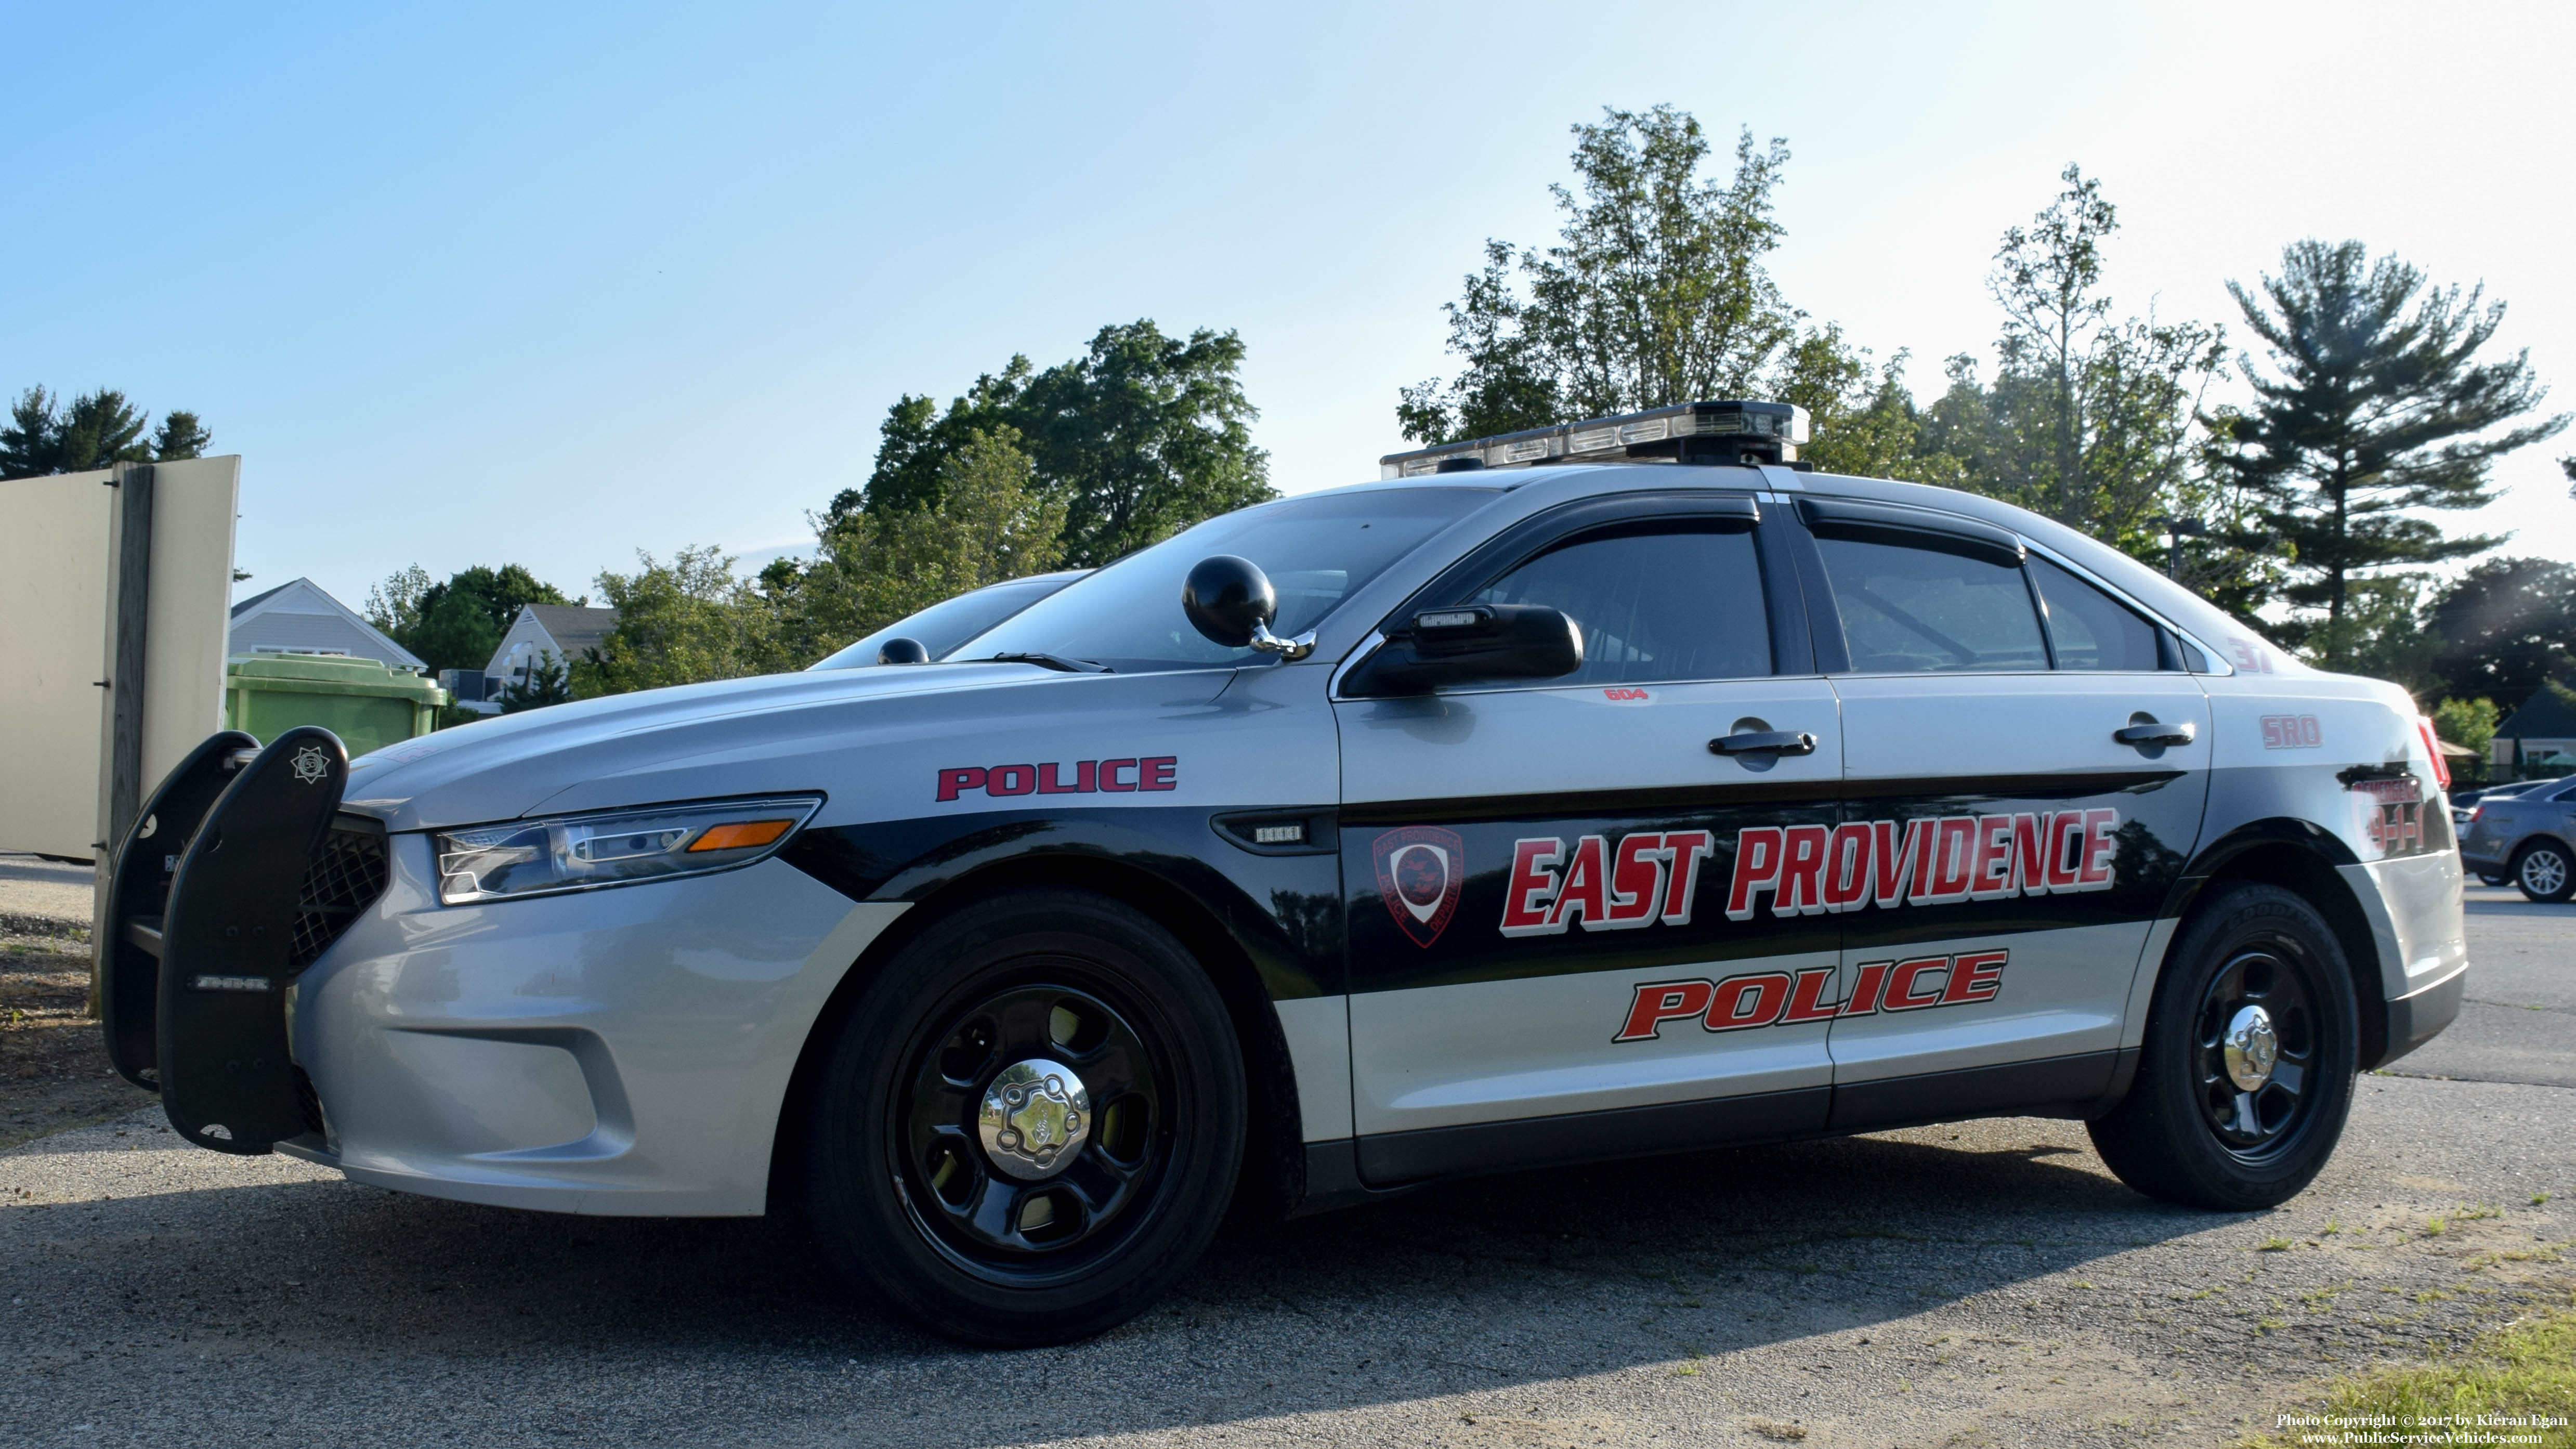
x=299 y=616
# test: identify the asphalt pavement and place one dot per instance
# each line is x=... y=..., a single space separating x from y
x=1987 y=1283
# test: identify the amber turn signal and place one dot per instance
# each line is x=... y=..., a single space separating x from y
x=740 y=835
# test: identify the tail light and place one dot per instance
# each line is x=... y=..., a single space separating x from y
x=2433 y=747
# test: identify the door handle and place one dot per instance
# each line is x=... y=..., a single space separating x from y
x=2149 y=732
x=1764 y=742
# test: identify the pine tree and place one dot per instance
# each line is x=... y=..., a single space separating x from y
x=2375 y=409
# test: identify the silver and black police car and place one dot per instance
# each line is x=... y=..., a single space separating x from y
x=1614 y=788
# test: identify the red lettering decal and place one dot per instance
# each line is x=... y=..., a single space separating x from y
x=1159 y=772
x=1010 y=779
x=1051 y=780
x=1757 y=868
x=1689 y=848
x=2030 y=856
x=1807 y=999
x=1109 y=776
x=2098 y=846
x=1975 y=977
x=1866 y=989
x=1524 y=900
x=1901 y=995
x=1729 y=1010
x=951 y=781
x=1801 y=860
x=1993 y=875
x=2065 y=845
x=1581 y=895
x=1954 y=860
x=1637 y=881
x=1086 y=777
x=1662 y=1002
x=1891 y=862
x=1847 y=861
x=1623 y=694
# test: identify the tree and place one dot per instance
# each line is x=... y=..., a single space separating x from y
x=2470 y=724
x=1142 y=436
x=680 y=623
x=991 y=521
x=1655 y=294
x=459 y=623
x=96 y=430
x=2374 y=409
x=2089 y=420
x=2504 y=628
x=549 y=681
x=1863 y=419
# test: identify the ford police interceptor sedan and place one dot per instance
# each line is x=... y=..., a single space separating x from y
x=1606 y=789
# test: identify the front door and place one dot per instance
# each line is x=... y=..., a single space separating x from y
x=2018 y=846
x=1543 y=962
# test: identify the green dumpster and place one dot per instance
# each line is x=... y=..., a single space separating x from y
x=367 y=704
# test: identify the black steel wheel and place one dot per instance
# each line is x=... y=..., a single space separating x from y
x=1027 y=1122
x=2246 y=1074
x=2542 y=872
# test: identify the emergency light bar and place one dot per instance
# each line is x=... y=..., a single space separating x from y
x=1700 y=432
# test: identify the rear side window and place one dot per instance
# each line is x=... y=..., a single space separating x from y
x=2091 y=629
x=1909 y=609
x=1665 y=604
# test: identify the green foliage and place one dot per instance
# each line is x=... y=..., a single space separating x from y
x=991 y=520
x=2089 y=421
x=457 y=624
x=2504 y=627
x=2524 y=1371
x=2374 y=410
x=1655 y=293
x=1140 y=437
x=680 y=623
x=95 y=430
x=2468 y=723
x=2380 y=634
x=1864 y=421
x=549 y=681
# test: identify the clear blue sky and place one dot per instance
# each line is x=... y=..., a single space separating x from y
x=551 y=284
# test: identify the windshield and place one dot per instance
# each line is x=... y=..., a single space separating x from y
x=951 y=622
x=1316 y=550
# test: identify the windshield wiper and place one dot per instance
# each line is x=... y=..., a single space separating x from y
x=1054 y=661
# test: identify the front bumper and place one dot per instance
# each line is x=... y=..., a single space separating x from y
x=622 y=1051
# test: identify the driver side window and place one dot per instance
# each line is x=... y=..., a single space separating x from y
x=1659 y=605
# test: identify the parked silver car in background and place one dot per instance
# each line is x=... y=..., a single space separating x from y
x=2525 y=836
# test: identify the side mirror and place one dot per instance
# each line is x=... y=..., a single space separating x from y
x=900 y=650
x=1471 y=644
x=1229 y=601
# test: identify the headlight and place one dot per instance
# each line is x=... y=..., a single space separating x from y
x=582 y=852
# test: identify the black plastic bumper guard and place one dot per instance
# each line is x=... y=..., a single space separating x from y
x=209 y=928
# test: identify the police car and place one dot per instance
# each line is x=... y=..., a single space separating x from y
x=1606 y=789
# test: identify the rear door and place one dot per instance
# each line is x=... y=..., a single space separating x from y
x=1543 y=964
x=2017 y=843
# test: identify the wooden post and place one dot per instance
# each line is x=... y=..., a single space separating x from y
x=129 y=607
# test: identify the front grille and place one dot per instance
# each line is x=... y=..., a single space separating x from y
x=347 y=873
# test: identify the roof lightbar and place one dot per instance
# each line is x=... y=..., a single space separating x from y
x=1701 y=432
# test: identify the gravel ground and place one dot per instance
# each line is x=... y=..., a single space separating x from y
x=1979 y=1284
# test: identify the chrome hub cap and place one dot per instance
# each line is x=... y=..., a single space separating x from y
x=1034 y=1119
x=2251 y=1048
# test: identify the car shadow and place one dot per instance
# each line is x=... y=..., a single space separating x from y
x=1471 y=1285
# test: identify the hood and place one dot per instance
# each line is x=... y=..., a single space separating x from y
x=859 y=736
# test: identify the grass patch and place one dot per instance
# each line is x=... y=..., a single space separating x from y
x=2525 y=1370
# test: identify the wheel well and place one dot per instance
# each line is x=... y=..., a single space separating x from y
x=2308 y=876
x=1274 y=1152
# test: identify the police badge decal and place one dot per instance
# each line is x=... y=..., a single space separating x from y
x=1420 y=869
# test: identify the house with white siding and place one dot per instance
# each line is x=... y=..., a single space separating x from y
x=565 y=631
x=299 y=618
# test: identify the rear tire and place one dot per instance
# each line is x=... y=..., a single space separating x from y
x=2207 y=1126
x=2542 y=872
x=1014 y=1229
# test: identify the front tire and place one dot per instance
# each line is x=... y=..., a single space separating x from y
x=2246 y=1076
x=2542 y=872
x=1030 y=1122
